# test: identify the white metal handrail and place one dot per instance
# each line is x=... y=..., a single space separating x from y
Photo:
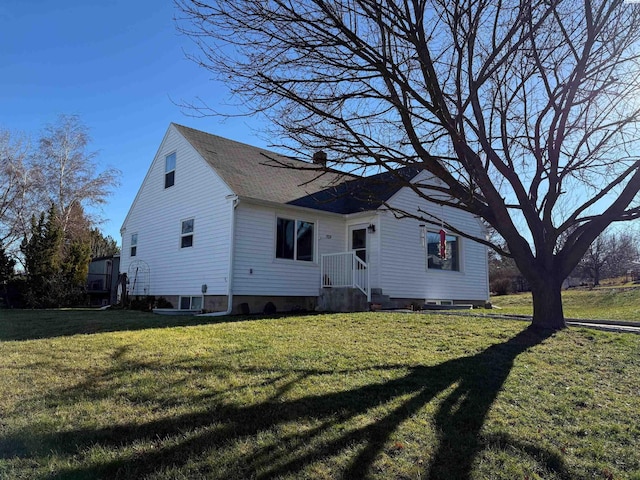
x=345 y=269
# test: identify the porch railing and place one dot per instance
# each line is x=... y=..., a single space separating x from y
x=345 y=269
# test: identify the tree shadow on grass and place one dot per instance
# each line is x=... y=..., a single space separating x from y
x=19 y=325
x=468 y=387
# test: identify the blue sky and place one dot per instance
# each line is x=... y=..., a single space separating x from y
x=119 y=65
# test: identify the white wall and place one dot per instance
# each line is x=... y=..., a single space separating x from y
x=258 y=272
x=156 y=217
x=403 y=262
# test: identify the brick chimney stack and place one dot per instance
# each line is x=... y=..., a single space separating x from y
x=320 y=158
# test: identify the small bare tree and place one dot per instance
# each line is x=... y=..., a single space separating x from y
x=19 y=187
x=610 y=255
x=525 y=110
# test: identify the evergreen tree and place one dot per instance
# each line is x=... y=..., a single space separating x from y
x=75 y=265
x=7 y=265
x=102 y=246
x=42 y=259
x=43 y=249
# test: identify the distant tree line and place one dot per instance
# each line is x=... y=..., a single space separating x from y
x=613 y=255
x=47 y=237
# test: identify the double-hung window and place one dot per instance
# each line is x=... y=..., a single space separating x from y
x=134 y=244
x=447 y=258
x=295 y=239
x=186 y=233
x=169 y=170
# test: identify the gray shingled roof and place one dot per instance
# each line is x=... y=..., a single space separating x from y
x=257 y=173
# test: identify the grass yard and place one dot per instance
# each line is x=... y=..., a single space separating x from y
x=368 y=395
x=599 y=304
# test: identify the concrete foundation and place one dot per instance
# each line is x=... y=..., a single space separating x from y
x=246 y=304
x=342 y=300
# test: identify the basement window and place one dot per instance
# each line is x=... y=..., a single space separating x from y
x=190 y=303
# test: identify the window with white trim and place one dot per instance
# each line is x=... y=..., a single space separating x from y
x=134 y=244
x=295 y=239
x=169 y=170
x=186 y=233
x=191 y=303
x=447 y=258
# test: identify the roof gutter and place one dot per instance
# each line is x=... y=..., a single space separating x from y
x=233 y=201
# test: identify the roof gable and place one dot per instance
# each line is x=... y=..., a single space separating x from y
x=260 y=174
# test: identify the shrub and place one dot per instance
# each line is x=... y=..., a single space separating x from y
x=162 y=302
x=501 y=286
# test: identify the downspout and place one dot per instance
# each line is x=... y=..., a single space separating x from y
x=233 y=199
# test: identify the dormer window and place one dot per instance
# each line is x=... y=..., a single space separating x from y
x=169 y=170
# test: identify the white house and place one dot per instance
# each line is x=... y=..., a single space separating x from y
x=223 y=226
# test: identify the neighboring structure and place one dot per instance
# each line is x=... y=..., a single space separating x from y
x=102 y=280
x=223 y=226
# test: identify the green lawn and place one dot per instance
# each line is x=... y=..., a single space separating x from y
x=602 y=303
x=369 y=395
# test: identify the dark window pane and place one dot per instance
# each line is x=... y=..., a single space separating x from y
x=452 y=252
x=186 y=241
x=196 y=303
x=187 y=226
x=285 y=238
x=169 y=179
x=134 y=251
x=185 y=303
x=304 y=241
x=359 y=238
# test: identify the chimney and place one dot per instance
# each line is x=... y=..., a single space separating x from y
x=320 y=158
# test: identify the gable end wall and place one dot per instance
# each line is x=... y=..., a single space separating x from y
x=156 y=217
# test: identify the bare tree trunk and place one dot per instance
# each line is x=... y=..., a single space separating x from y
x=547 y=304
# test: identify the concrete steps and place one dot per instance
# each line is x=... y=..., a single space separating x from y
x=380 y=300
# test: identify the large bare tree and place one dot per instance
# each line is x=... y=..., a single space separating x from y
x=526 y=111
x=72 y=179
x=56 y=170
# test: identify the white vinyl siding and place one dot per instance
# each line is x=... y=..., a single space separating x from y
x=258 y=272
x=157 y=214
x=403 y=263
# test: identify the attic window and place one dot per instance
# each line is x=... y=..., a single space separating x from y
x=169 y=170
